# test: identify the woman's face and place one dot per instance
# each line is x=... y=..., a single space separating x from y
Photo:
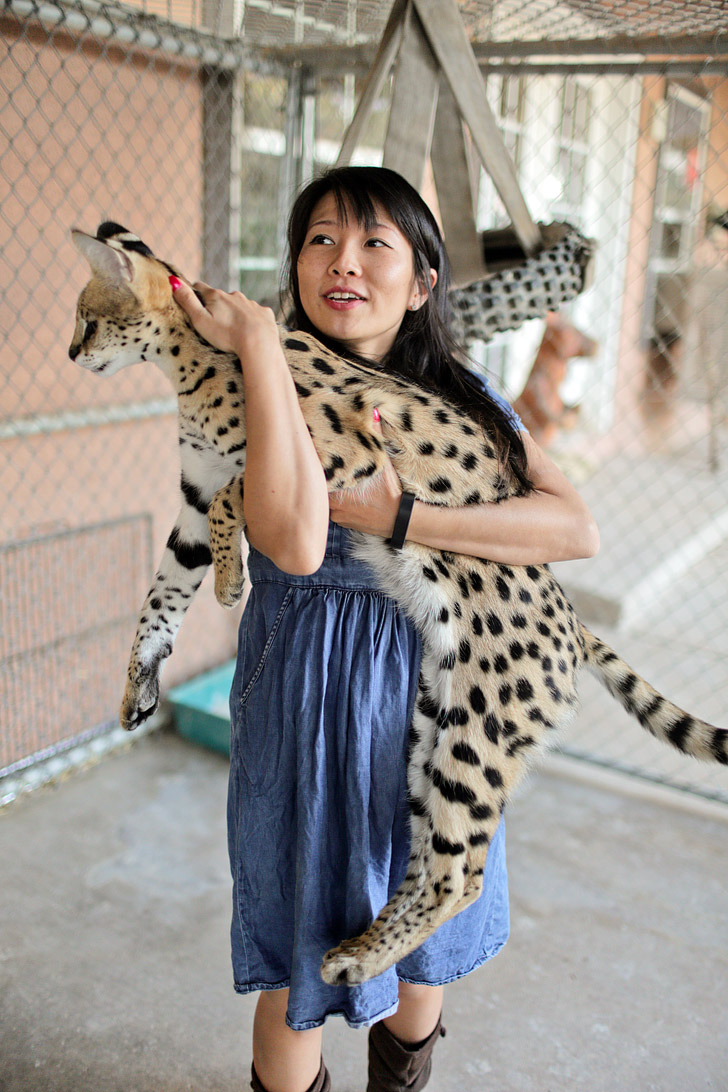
x=356 y=285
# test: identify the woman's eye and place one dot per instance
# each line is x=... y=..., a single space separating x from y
x=318 y=239
x=376 y=242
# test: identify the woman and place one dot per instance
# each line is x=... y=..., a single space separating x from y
x=327 y=666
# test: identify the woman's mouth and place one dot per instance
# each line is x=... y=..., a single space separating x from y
x=341 y=300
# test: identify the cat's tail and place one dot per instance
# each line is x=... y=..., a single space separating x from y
x=662 y=718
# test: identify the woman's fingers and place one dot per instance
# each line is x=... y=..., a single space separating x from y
x=186 y=298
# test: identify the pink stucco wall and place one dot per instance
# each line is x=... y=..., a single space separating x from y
x=92 y=132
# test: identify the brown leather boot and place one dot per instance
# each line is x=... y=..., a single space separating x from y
x=395 y=1066
x=321 y=1084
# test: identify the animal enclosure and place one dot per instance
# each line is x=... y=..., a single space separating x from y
x=193 y=124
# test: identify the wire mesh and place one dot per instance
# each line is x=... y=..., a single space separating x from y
x=190 y=123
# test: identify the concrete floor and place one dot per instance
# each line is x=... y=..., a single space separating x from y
x=114 y=967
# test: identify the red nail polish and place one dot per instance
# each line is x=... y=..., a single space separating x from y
x=175 y=282
x=375 y=413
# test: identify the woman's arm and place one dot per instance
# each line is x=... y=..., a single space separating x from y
x=551 y=524
x=285 y=499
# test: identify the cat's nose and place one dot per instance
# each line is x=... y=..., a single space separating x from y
x=74 y=351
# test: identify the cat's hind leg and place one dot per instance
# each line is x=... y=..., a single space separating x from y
x=225 y=521
x=448 y=852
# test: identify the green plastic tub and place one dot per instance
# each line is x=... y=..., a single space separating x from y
x=200 y=708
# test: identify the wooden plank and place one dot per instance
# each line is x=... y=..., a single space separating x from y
x=449 y=43
x=388 y=47
x=414 y=101
x=455 y=194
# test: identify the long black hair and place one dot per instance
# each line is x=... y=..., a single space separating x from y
x=423 y=351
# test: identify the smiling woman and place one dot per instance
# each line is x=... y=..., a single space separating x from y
x=328 y=667
x=357 y=280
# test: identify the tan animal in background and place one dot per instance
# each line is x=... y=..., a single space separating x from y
x=539 y=404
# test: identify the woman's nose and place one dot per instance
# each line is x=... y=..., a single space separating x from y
x=344 y=262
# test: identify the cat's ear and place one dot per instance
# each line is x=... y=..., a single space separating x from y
x=108 y=262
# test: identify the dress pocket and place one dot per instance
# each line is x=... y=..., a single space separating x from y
x=261 y=622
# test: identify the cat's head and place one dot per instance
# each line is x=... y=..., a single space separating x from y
x=120 y=307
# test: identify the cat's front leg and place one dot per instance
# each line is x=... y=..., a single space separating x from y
x=226 y=522
x=184 y=563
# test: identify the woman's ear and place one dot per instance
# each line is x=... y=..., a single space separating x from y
x=422 y=291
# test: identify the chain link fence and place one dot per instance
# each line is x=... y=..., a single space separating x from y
x=193 y=123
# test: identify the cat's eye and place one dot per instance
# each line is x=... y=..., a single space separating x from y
x=90 y=329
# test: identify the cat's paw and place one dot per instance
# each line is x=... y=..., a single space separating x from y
x=346 y=965
x=140 y=700
x=229 y=585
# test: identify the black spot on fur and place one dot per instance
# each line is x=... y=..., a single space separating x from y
x=463 y=752
x=336 y=464
x=365 y=471
x=445 y=848
x=477 y=699
x=322 y=366
x=493 y=776
x=454 y=791
x=481 y=811
x=524 y=690
x=193 y=496
x=427 y=706
x=332 y=417
x=679 y=731
x=191 y=555
x=502 y=588
x=491 y=727
x=494 y=624
x=482 y=838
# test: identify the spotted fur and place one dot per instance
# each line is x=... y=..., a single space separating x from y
x=502 y=646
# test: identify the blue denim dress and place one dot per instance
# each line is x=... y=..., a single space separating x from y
x=323 y=694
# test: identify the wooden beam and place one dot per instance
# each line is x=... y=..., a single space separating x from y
x=653 y=45
x=414 y=100
x=388 y=47
x=456 y=197
x=449 y=42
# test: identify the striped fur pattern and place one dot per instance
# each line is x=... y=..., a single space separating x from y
x=502 y=646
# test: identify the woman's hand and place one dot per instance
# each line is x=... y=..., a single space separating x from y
x=228 y=320
x=376 y=509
